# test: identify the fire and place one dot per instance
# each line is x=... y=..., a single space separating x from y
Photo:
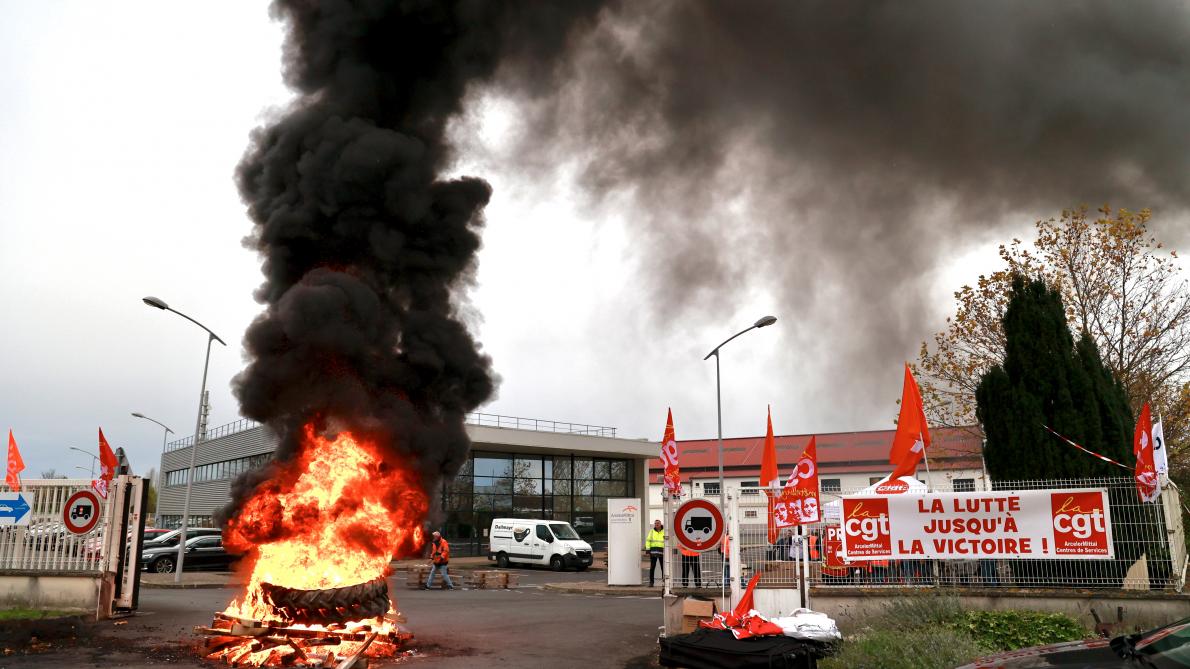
x=334 y=517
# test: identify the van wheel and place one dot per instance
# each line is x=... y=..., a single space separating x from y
x=556 y=563
x=502 y=560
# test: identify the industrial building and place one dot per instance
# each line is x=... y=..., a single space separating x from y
x=517 y=467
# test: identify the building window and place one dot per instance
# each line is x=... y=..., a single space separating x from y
x=964 y=485
x=750 y=513
x=710 y=488
x=215 y=471
x=750 y=488
x=831 y=485
x=873 y=480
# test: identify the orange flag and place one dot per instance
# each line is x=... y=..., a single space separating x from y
x=1142 y=447
x=16 y=464
x=669 y=457
x=768 y=463
x=913 y=434
x=107 y=466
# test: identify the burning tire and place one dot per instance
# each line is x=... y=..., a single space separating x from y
x=335 y=605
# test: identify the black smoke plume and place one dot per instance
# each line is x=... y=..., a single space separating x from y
x=365 y=245
x=835 y=155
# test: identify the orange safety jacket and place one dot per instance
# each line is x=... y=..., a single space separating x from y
x=687 y=553
x=440 y=552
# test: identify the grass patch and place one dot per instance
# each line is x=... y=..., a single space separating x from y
x=934 y=632
x=32 y=614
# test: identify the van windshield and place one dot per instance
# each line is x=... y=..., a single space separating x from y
x=564 y=531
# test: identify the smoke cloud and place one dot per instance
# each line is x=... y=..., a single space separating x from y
x=365 y=246
x=836 y=155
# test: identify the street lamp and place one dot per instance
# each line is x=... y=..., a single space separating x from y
x=160 y=304
x=763 y=322
x=94 y=458
x=164 y=435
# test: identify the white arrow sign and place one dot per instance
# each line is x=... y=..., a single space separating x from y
x=14 y=508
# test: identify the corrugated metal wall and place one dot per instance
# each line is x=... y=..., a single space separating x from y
x=208 y=496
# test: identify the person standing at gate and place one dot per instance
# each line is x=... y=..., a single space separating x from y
x=690 y=564
x=655 y=547
x=440 y=557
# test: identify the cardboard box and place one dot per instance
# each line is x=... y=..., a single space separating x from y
x=694 y=610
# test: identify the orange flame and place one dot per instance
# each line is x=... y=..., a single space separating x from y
x=334 y=516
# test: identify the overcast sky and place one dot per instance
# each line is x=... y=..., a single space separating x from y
x=120 y=127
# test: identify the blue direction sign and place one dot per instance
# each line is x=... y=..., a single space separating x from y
x=14 y=508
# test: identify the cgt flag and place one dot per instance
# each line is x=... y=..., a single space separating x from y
x=16 y=464
x=1160 y=454
x=669 y=457
x=913 y=434
x=769 y=478
x=1142 y=447
x=799 y=502
x=107 y=466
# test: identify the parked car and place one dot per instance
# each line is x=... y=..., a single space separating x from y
x=584 y=525
x=540 y=542
x=202 y=552
x=152 y=533
x=1163 y=648
x=170 y=538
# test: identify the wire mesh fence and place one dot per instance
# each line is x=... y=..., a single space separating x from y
x=1147 y=539
x=45 y=544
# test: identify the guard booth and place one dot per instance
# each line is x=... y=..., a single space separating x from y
x=64 y=546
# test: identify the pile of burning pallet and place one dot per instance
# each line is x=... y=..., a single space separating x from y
x=243 y=642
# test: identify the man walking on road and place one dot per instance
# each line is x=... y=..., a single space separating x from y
x=440 y=556
x=655 y=547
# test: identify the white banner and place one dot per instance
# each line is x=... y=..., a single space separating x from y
x=623 y=541
x=1025 y=524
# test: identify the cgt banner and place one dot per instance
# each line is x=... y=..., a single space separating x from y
x=1027 y=524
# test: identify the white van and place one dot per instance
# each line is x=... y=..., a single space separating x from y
x=543 y=542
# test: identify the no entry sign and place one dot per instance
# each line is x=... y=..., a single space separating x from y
x=698 y=525
x=81 y=512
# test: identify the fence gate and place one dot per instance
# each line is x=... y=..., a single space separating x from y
x=62 y=545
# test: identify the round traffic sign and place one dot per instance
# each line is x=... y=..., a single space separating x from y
x=81 y=512
x=698 y=525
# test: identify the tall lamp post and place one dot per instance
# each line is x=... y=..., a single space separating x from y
x=94 y=458
x=160 y=304
x=164 y=435
x=763 y=322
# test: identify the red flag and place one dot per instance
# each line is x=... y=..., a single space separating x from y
x=913 y=434
x=745 y=605
x=16 y=464
x=1142 y=447
x=107 y=466
x=798 y=503
x=769 y=478
x=669 y=457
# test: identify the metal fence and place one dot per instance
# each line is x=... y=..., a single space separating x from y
x=45 y=545
x=485 y=419
x=539 y=424
x=1148 y=543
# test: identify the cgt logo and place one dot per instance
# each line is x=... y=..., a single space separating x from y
x=866 y=530
x=1080 y=522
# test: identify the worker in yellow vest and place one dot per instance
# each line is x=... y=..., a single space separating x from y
x=655 y=547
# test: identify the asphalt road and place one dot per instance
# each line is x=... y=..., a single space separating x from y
x=524 y=627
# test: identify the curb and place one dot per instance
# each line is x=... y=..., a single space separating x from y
x=605 y=590
x=189 y=586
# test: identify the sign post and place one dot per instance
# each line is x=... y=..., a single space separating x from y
x=14 y=508
x=623 y=541
x=81 y=513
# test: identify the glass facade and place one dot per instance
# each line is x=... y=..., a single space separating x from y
x=552 y=487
